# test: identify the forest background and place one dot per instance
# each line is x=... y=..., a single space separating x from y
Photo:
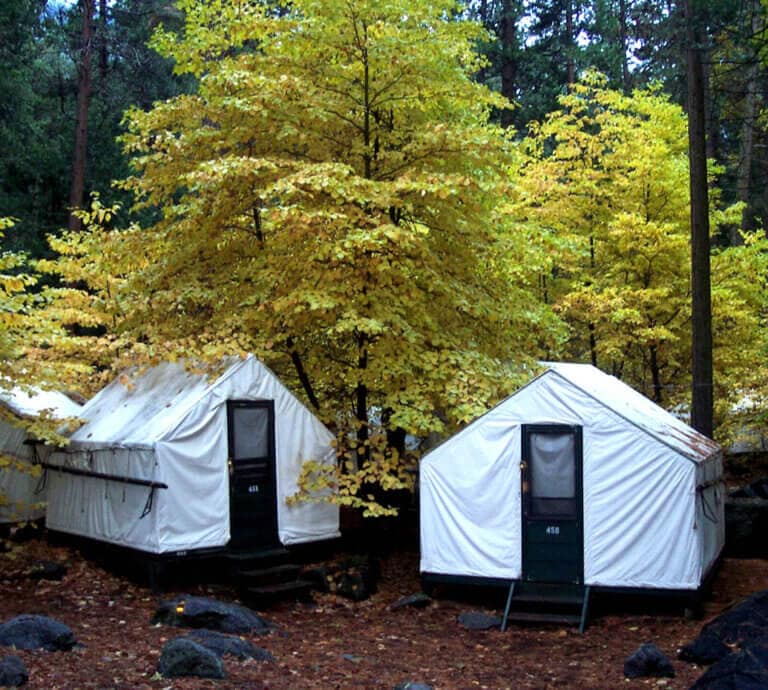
x=400 y=206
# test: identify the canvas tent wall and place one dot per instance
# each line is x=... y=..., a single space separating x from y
x=575 y=478
x=173 y=460
x=21 y=491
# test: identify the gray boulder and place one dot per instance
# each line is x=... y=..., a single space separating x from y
x=46 y=570
x=202 y=612
x=740 y=671
x=411 y=685
x=477 y=620
x=221 y=644
x=13 y=672
x=184 y=657
x=746 y=621
x=648 y=661
x=36 y=632
x=417 y=601
x=704 y=650
x=746 y=522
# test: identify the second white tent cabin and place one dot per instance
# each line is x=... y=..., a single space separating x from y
x=576 y=482
x=174 y=462
x=22 y=493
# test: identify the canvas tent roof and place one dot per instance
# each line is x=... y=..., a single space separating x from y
x=636 y=409
x=141 y=407
x=19 y=487
x=32 y=402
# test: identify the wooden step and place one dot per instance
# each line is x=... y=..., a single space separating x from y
x=256 y=559
x=551 y=598
x=543 y=617
x=266 y=595
x=276 y=574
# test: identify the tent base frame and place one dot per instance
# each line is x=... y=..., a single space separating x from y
x=157 y=570
x=687 y=602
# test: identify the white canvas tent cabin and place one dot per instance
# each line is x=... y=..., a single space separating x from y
x=575 y=479
x=21 y=491
x=173 y=462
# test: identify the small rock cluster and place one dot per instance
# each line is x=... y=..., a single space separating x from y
x=202 y=612
x=734 y=646
x=746 y=520
x=200 y=652
x=354 y=578
x=30 y=632
x=648 y=661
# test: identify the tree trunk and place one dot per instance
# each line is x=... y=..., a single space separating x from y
x=570 y=45
x=701 y=307
x=77 y=187
x=656 y=376
x=103 y=46
x=744 y=180
x=626 y=80
x=508 y=35
x=361 y=404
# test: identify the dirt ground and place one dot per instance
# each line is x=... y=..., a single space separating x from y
x=336 y=643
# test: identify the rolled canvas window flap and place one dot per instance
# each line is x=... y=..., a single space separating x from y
x=552 y=459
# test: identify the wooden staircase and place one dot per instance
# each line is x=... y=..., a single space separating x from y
x=265 y=577
x=557 y=604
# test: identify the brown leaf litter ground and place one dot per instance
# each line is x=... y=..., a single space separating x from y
x=335 y=643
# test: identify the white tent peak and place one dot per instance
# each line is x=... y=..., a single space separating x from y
x=144 y=404
x=635 y=408
x=31 y=402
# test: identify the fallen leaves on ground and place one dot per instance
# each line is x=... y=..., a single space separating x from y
x=339 y=644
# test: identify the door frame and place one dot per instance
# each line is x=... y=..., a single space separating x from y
x=269 y=405
x=525 y=494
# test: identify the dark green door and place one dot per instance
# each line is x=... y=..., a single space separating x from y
x=252 y=480
x=551 y=480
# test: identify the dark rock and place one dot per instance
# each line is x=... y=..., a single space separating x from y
x=13 y=672
x=740 y=671
x=746 y=621
x=417 y=601
x=221 y=644
x=352 y=585
x=319 y=576
x=706 y=649
x=757 y=489
x=758 y=649
x=184 y=657
x=202 y=612
x=356 y=577
x=648 y=661
x=746 y=522
x=36 y=632
x=47 y=570
x=477 y=620
x=411 y=685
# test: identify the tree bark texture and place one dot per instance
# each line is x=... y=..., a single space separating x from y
x=77 y=188
x=508 y=34
x=701 y=307
x=744 y=179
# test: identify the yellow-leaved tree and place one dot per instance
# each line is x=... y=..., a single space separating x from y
x=23 y=329
x=604 y=182
x=327 y=199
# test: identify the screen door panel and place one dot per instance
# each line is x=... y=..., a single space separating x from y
x=552 y=522
x=553 y=474
x=252 y=474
